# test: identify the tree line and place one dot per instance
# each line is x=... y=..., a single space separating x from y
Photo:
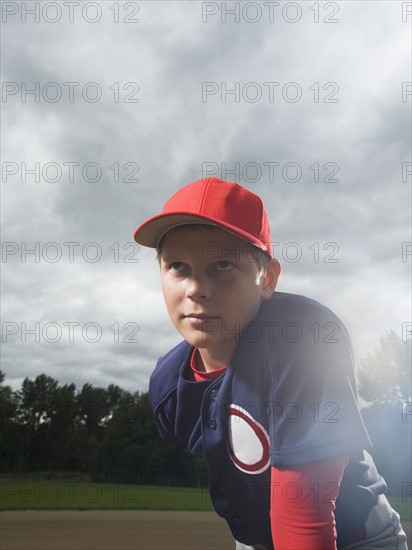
x=109 y=434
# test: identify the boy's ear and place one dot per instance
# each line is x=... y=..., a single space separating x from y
x=270 y=279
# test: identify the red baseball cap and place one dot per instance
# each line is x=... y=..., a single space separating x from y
x=211 y=201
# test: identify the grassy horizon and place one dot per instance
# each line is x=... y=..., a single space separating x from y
x=69 y=495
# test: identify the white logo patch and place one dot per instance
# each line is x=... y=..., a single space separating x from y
x=248 y=441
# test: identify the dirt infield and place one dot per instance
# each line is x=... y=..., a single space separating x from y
x=107 y=530
x=124 y=530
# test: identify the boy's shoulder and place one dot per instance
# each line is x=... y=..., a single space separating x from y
x=298 y=319
x=298 y=306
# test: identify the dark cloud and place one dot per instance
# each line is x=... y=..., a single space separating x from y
x=165 y=140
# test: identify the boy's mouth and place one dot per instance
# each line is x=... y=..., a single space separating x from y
x=200 y=316
x=201 y=321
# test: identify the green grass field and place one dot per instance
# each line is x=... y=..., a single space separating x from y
x=62 y=495
x=58 y=495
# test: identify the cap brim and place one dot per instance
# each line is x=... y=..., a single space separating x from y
x=151 y=231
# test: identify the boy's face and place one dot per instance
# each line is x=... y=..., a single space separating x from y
x=212 y=286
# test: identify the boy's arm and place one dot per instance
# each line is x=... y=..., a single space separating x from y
x=303 y=504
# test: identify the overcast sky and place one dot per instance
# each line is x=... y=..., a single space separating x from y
x=307 y=104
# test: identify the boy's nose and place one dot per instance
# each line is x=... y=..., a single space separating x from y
x=198 y=287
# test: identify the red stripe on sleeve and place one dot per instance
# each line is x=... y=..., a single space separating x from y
x=303 y=504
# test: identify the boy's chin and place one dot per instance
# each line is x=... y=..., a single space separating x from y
x=210 y=343
x=200 y=342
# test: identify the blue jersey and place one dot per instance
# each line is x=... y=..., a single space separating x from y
x=288 y=397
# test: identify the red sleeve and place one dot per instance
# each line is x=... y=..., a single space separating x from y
x=303 y=504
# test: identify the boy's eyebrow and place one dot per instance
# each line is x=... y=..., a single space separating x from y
x=225 y=254
x=165 y=257
x=222 y=255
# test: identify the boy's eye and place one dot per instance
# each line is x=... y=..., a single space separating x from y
x=176 y=266
x=223 y=265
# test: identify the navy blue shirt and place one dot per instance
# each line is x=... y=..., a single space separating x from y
x=288 y=397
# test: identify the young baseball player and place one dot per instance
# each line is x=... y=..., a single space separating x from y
x=263 y=384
